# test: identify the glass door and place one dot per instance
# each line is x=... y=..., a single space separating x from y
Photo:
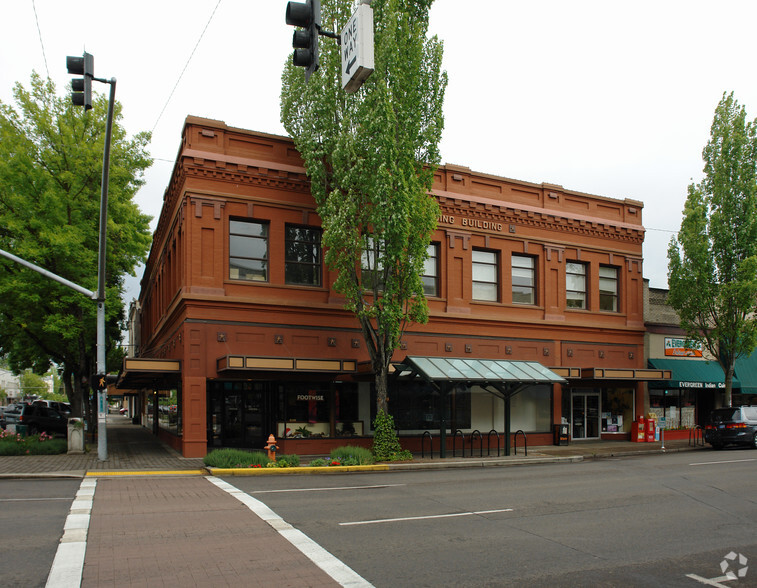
x=585 y=415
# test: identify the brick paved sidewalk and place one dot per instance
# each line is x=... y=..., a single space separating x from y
x=169 y=531
x=129 y=447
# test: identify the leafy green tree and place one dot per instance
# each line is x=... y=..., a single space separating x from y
x=50 y=173
x=712 y=270
x=370 y=157
x=32 y=385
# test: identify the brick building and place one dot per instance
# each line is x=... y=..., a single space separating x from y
x=237 y=319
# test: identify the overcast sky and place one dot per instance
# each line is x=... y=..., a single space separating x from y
x=603 y=97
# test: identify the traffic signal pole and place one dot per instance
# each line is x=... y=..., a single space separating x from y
x=82 y=96
x=102 y=393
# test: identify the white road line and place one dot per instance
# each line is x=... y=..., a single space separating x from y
x=719 y=462
x=68 y=564
x=327 y=489
x=710 y=581
x=424 y=517
x=33 y=499
x=338 y=570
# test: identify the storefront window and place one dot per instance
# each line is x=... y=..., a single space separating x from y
x=617 y=410
x=416 y=407
x=307 y=409
x=531 y=410
x=676 y=406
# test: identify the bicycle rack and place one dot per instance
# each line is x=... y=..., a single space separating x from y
x=430 y=443
x=454 y=439
x=696 y=435
x=515 y=442
x=473 y=435
x=489 y=442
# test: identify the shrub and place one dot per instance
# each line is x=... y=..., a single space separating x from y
x=42 y=444
x=349 y=455
x=386 y=445
x=286 y=461
x=318 y=462
x=235 y=458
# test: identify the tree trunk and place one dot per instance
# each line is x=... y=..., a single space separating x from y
x=382 y=400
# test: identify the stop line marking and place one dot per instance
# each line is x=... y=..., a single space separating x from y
x=425 y=517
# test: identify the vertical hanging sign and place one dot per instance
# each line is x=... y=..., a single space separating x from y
x=357 y=49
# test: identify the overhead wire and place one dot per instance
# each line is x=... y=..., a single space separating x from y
x=39 y=32
x=185 y=66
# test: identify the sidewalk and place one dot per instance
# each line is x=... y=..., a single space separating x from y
x=134 y=450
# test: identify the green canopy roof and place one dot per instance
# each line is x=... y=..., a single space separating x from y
x=746 y=370
x=691 y=374
x=476 y=371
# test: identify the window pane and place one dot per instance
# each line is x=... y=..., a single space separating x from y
x=608 y=289
x=523 y=279
x=523 y=295
x=482 y=291
x=485 y=275
x=302 y=256
x=484 y=256
x=248 y=250
x=430 y=276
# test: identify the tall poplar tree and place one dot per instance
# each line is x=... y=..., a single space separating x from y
x=51 y=156
x=370 y=157
x=712 y=271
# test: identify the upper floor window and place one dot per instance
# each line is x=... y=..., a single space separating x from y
x=248 y=250
x=575 y=284
x=372 y=263
x=608 y=288
x=302 y=255
x=524 y=279
x=431 y=271
x=485 y=275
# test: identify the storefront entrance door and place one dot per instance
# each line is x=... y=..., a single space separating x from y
x=585 y=415
x=237 y=414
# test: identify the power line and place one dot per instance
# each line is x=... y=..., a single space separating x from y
x=186 y=65
x=39 y=32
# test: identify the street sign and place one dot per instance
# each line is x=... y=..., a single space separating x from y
x=357 y=49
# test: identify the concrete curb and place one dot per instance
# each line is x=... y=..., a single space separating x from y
x=295 y=470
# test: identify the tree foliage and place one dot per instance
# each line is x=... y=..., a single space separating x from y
x=370 y=157
x=713 y=263
x=50 y=174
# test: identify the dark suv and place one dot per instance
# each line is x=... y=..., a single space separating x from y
x=732 y=426
x=39 y=418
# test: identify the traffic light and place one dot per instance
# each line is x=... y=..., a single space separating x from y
x=82 y=87
x=305 y=42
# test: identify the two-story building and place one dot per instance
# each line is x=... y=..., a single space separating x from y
x=238 y=321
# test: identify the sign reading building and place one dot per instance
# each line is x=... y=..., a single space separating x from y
x=357 y=49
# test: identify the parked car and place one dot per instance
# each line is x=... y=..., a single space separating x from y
x=732 y=426
x=11 y=413
x=39 y=418
x=63 y=408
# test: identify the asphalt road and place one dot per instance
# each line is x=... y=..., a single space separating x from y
x=659 y=520
x=32 y=515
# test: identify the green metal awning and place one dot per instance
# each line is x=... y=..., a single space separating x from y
x=500 y=377
x=480 y=372
x=691 y=374
x=746 y=371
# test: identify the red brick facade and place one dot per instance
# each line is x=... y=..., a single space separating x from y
x=193 y=309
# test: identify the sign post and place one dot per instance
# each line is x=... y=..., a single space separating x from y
x=357 y=49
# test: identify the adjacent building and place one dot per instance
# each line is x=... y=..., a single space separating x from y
x=238 y=323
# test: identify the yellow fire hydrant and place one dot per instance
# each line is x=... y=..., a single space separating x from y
x=271 y=447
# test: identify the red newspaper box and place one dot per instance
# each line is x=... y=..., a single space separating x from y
x=650 y=430
x=637 y=431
